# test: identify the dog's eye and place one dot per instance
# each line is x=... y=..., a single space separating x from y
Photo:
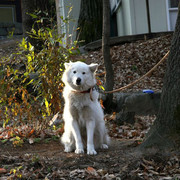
x=83 y=73
x=74 y=72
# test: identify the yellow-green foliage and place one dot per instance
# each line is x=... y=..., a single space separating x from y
x=30 y=82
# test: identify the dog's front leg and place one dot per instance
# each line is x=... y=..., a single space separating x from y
x=90 y=125
x=77 y=137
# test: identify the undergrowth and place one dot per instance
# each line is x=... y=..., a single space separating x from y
x=30 y=79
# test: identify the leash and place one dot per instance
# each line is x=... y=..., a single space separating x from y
x=136 y=81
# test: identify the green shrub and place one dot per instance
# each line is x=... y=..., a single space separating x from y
x=30 y=80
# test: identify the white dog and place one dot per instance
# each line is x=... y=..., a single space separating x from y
x=83 y=115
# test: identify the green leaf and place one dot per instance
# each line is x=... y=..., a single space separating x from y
x=30 y=81
x=33 y=15
x=102 y=88
x=33 y=31
x=47 y=106
x=31 y=48
x=50 y=34
x=4 y=140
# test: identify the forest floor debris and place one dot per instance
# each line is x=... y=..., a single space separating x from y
x=132 y=60
x=43 y=157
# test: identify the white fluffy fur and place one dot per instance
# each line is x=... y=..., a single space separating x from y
x=83 y=116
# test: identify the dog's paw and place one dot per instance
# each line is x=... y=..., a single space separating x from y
x=91 y=152
x=104 y=146
x=79 y=151
x=68 y=149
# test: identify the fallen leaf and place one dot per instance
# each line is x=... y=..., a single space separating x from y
x=102 y=172
x=92 y=171
x=3 y=171
x=30 y=133
x=53 y=119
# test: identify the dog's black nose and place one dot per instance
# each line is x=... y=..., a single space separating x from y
x=78 y=81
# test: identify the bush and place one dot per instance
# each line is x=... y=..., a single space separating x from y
x=30 y=80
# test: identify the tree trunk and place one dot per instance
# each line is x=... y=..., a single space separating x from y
x=58 y=15
x=27 y=7
x=90 y=21
x=61 y=27
x=166 y=130
x=109 y=78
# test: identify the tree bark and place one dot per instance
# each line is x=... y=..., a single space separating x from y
x=27 y=7
x=109 y=78
x=58 y=15
x=90 y=21
x=61 y=27
x=166 y=130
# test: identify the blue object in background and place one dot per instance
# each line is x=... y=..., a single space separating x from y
x=148 y=91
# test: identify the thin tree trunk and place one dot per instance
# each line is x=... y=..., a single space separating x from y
x=109 y=78
x=90 y=21
x=166 y=129
x=27 y=7
x=61 y=26
x=58 y=15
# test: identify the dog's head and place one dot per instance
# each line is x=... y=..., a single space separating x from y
x=79 y=76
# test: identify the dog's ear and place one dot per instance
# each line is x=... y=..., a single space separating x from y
x=93 y=67
x=67 y=65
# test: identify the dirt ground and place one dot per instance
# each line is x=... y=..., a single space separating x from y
x=123 y=160
x=49 y=156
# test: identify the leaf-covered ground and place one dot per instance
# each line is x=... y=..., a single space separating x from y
x=46 y=160
x=132 y=60
x=41 y=155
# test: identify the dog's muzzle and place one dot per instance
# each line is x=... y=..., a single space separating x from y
x=78 y=81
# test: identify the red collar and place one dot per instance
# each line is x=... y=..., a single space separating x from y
x=88 y=91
